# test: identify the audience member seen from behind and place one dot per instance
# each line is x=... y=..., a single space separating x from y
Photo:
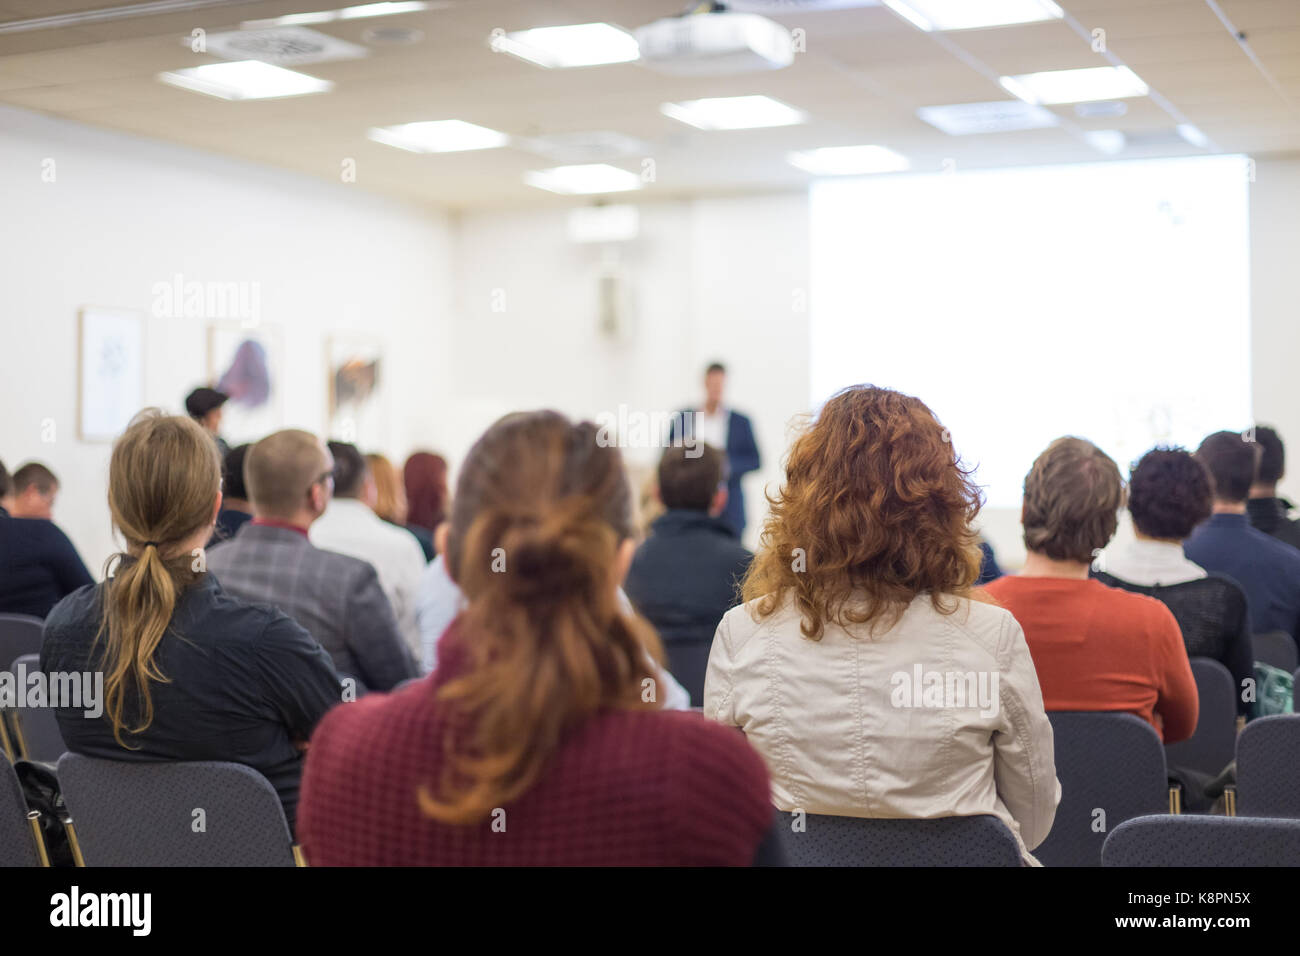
x=38 y=564
x=861 y=594
x=204 y=405
x=34 y=489
x=236 y=511
x=687 y=573
x=390 y=501
x=1169 y=494
x=542 y=710
x=190 y=672
x=1266 y=510
x=425 y=478
x=1267 y=569
x=337 y=598
x=350 y=526
x=1095 y=648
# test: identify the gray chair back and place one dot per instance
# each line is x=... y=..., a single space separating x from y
x=1276 y=648
x=37 y=728
x=1211 y=746
x=1203 y=841
x=864 y=841
x=1112 y=768
x=1268 y=755
x=17 y=842
x=129 y=813
x=19 y=634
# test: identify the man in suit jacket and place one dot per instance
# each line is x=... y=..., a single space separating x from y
x=727 y=430
x=686 y=575
x=338 y=599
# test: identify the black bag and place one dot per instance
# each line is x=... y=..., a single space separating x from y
x=41 y=790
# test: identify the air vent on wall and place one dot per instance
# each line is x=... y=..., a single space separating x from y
x=281 y=46
x=392 y=36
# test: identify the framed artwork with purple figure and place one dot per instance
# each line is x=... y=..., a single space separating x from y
x=246 y=363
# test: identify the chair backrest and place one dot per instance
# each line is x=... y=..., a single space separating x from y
x=38 y=727
x=17 y=842
x=1210 y=748
x=1195 y=840
x=19 y=634
x=1112 y=768
x=864 y=841
x=1276 y=648
x=202 y=813
x=1268 y=753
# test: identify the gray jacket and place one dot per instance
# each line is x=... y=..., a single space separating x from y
x=336 y=598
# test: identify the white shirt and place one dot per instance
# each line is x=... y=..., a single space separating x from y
x=712 y=429
x=436 y=606
x=845 y=731
x=1149 y=563
x=348 y=526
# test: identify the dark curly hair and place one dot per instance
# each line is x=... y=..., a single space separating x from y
x=1169 y=493
x=875 y=509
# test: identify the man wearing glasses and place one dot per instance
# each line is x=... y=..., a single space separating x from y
x=290 y=478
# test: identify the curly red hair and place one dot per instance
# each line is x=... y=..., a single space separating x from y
x=876 y=508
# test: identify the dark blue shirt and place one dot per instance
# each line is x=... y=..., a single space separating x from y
x=244 y=683
x=683 y=578
x=38 y=566
x=1266 y=569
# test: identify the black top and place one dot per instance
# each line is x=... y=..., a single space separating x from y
x=245 y=682
x=38 y=566
x=1211 y=612
x=684 y=577
x=1271 y=516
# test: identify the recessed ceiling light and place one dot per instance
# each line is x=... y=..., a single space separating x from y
x=438 y=136
x=1108 y=141
x=584 y=180
x=1075 y=86
x=583 y=44
x=1000 y=116
x=733 y=112
x=382 y=9
x=346 y=13
x=245 y=80
x=931 y=15
x=1193 y=135
x=848 y=160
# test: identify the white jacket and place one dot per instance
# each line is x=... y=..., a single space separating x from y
x=941 y=715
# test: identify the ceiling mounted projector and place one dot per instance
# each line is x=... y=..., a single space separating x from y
x=714 y=42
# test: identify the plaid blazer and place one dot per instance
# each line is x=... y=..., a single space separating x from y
x=336 y=598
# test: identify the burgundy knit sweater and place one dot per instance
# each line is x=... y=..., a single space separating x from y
x=636 y=788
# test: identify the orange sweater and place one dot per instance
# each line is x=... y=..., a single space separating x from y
x=1100 y=648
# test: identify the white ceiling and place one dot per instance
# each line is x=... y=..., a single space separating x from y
x=863 y=76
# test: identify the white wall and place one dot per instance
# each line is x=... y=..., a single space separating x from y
x=483 y=313
x=124 y=213
x=718 y=279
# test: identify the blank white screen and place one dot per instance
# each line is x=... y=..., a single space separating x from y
x=1107 y=300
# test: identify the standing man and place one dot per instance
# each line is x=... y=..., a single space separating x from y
x=727 y=430
x=204 y=406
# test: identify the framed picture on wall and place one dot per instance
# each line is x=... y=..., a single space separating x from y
x=110 y=371
x=357 y=389
x=248 y=365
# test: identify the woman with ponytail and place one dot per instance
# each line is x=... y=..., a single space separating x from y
x=541 y=737
x=188 y=672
